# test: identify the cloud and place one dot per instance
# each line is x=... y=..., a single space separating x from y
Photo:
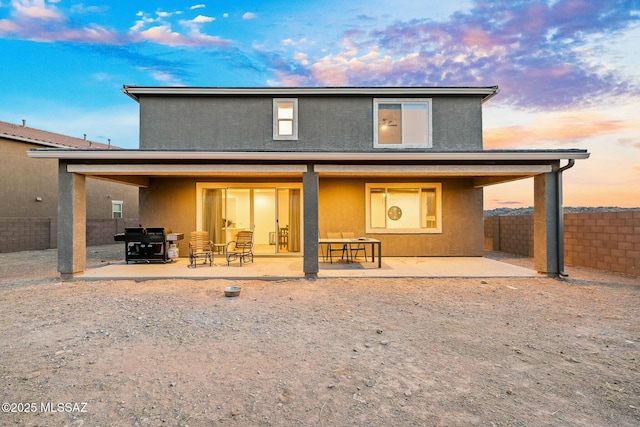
x=249 y=15
x=8 y=27
x=533 y=50
x=160 y=31
x=57 y=29
x=36 y=9
x=200 y=19
x=558 y=129
x=197 y=6
x=301 y=58
x=37 y=21
x=292 y=42
x=163 y=34
x=162 y=76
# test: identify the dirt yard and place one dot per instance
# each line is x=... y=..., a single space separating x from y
x=331 y=352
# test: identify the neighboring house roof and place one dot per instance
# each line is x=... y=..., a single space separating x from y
x=48 y=139
x=486 y=92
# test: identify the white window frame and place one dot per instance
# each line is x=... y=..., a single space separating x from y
x=419 y=185
x=115 y=203
x=276 y=119
x=403 y=101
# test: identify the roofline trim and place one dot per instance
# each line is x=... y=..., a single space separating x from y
x=45 y=143
x=270 y=156
x=34 y=141
x=135 y=92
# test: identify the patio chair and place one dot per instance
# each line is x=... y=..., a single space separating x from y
x=240 y=249
x=200 y=247
x=354 y=247
x=336 y=247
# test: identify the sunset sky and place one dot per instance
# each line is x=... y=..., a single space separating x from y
x=568 y=70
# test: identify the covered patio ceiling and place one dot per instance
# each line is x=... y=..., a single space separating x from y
x=137 y=167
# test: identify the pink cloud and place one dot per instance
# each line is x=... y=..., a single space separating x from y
x=92 y=34
x=289 y=80
x=348 y=66
x=162 y=34
x=477 y=37
x=558 y=129
x=27 y=17
x=327 y=73
x=203 y=19
x=29 y=30
x=36 y=9
x=532 y=50
x=7 y=26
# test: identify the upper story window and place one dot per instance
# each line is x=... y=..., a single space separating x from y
x=402 y=123
x=116 y=209
x=285 y=118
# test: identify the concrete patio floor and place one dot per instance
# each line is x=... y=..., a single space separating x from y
x=274 y=268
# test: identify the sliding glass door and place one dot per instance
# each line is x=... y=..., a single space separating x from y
x=273 y=213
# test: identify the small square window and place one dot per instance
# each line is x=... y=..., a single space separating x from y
x=285 y=119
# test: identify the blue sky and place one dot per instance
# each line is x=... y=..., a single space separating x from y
x=568 y=70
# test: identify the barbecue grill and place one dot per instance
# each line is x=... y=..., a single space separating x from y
x=144 y=244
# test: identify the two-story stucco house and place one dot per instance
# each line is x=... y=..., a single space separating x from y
x=402 y=165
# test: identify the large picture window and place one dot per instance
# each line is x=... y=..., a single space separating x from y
x=402 y=123
x=285 y=119
x=404 y=208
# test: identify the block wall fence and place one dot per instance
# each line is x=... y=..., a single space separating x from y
x=602 y=240
x=32 y=234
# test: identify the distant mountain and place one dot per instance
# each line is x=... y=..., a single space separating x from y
x=581 y=209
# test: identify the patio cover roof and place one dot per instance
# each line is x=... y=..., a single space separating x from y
x=135 y=167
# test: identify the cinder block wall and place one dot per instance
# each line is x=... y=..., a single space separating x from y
x=33 y=234
x=101 y=231
x=602 y=240
x=512 y=234
x=25 y=234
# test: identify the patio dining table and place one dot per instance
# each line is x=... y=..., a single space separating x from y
x=361 y=240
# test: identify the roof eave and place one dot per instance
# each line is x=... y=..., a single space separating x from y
x=134 y=92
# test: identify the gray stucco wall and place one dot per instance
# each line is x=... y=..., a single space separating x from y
x=340 y=123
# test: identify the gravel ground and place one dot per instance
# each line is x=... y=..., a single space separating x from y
x=330 y=352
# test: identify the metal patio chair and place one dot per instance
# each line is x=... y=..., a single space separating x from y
x=336 y=247
x=240 y=249
x=354 y=247
x=200 y=247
